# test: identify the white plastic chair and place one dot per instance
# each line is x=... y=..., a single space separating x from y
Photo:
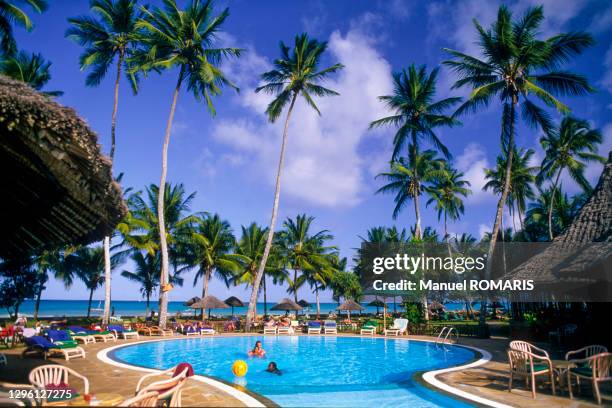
x=170 y=388
x=53 y=374
x=400 y=326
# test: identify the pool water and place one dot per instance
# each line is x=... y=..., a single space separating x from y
x=317 y=371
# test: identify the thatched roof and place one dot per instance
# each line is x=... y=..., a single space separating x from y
x=286 y=304
x=57 y=187
x=572 y=257
x=234 y=301
x=192 y=301
x=304 y=303
x=350 y=305
x=209 y=302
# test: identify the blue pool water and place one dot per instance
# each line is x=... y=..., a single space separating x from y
x=317 y=370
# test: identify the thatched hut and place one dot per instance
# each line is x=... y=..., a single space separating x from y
x=577 y=263
x=57 y=187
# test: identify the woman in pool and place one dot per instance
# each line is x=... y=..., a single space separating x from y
x=272 y=368
x=257 y=351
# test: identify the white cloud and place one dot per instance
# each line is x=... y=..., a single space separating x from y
x=323 y=165
x=472 y=163
x=606 y=81
x=483 y=229
x=602 y=21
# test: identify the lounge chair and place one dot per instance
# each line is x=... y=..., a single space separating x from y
x=61 y=338
x=143 y=329
x=526 y=364
x=400 y=326
x=206 y=330
x=314 y=327
x=284 y=329
x=42 y=345
x=369 y=327
x=158 y=331
x=56 y=376
x=100 y=336
x=269 y=330
x=330 y=327
x=121 y=332
x=597 y=368
x=169 y=389
x=190 y=330
x=146 y=399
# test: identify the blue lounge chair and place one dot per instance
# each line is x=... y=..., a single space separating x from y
x=102 y=336
x=42 y=345
x=61 y=338
x=122 y=332
x=330 y=327
x=314 y=327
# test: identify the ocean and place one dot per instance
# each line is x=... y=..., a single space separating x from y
x=59 y=308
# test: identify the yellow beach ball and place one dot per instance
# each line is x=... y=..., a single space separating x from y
x=240 y=368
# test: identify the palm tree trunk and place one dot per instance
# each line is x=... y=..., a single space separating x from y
x=148 y=307
x=163 y=294
x=37 y=304
x=500 y=207
x=107 y=240
x=520 y=213
x=91 y=291
x=318 y=303
x=551 y=205
x=206 y=279
x=265 y=295
x=253 y=300
x=295 y=289
x=417 y=214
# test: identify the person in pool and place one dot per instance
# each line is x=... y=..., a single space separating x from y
x=257 y=351
x=272 y=368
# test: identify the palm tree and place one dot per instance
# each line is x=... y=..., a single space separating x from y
x=570 y=147
x=565 y=210
x=32 y=69
x=446 y=192
x=408 y=178
x=47 y=262
x=88 y=265
x=416 y=116
x=184 y=39
x=250 y=249
x=11 y=13
x=112 y=36
x=209 y=249
x=146 y=274
x=522 y=178
x=516 y=67
x=295 y=73
x=306 y=254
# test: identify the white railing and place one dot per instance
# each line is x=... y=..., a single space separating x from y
x=446 y=335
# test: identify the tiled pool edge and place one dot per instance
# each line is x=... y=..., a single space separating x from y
x=246 y=398
x=430 y=378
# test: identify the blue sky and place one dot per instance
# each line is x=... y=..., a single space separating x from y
x=332 y=160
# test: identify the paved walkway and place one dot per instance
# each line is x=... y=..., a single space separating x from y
x=489 y=381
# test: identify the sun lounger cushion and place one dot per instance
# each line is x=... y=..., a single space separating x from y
x=314 y=324
x=40 y=341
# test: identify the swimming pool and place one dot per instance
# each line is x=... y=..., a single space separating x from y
x=318 y=371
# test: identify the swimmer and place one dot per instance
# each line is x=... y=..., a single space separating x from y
x=272 y=368
x=257 y=351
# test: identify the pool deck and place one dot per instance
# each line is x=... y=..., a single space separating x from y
x=488 y=381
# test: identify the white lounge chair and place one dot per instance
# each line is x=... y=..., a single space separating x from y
x=330 y=327
x=368 y=328
x=314 y=327
x=400 y=326
x=269 y=330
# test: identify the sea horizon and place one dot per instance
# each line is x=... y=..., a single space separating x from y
x=78 y=307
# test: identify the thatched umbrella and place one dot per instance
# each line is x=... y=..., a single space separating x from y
x=304 y=303
x=209 y=302
x=233 y=301
x=287 y=305
x=433 y=306
x=57 y=188
x=349 y=305
x=191 y=302
x=377 y=303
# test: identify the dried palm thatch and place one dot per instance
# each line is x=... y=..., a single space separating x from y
x=581 y=255
x=57 y=187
